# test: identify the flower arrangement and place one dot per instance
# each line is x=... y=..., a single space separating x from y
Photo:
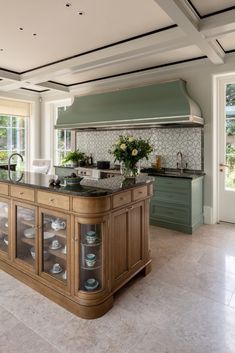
x=129 y=150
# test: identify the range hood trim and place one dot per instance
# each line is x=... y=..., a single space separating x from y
x=189 y=119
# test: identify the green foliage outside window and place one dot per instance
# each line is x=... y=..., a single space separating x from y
x=12 y=136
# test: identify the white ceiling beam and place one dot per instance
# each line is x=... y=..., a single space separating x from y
x=153 y=44
x=136 y=54
x=184 y=17
x=6 y=86
x=217 y=26
x=54 y=86
x=7 y=75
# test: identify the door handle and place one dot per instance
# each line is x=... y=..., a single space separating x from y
x=221 y=165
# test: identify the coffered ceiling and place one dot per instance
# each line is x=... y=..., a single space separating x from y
x=58 y=45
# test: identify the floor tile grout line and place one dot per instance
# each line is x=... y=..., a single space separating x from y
x=199 y=294
x=26 y=325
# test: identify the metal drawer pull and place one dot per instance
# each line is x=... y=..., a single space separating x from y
x=140 y=192
x=51 y=200
x=121 y=198
x=21 y=193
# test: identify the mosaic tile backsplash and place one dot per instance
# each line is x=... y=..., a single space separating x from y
x=166 y=142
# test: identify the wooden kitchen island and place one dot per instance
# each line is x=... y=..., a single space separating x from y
x=77 y=245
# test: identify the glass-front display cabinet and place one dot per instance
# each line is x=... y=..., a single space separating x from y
x=4 y=227
x=54 y=247
x=90 y=266
x=25 y=241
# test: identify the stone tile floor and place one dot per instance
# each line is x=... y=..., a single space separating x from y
x=185 y=305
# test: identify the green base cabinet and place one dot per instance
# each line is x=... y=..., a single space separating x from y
x=177 y=203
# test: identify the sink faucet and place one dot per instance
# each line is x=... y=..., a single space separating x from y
x=180 y=161
x=9 y=159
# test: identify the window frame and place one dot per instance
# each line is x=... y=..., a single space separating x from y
x=26 y=137
x=58 y=105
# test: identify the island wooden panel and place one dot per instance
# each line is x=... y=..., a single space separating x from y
x=53 y=200
x=122 y=199
x=22 y=193
x=84 y=205
x=4 y=189
x=136 y=235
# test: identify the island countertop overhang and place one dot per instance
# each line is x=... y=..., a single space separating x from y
x=87 y=188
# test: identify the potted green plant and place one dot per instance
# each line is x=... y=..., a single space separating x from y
x=74 y=157
x=128 y=151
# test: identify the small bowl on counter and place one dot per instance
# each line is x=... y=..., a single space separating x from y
x=71 y=181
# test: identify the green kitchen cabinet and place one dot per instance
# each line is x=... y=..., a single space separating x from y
x=177 y=203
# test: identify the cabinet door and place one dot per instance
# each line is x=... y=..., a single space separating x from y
x=127 y=242
x=89 y=257
x=136 y=235
x=4 y=228
x=119 y=246
x=25 y=235
x=54 y=248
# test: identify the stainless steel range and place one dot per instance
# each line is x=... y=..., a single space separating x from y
x=95 y=173
x=89 y=173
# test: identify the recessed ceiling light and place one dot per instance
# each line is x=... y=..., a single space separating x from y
x=21 y=28
x=34 y=34
x=68 y=4
x=81 y=13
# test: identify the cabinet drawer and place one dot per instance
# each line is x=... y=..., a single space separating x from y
x=53 y=200
x=140 y=193
x=4 y=189
x=171 y=183
x=22 y=193
x=177 y=196
x=121 y=199
x=169 y=213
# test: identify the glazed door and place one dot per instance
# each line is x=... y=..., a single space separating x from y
x=54 y=248
x=226 y=166
x=89 y=256
x=4 y=228
x=25 y=236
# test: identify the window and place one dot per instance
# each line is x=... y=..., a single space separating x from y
x=230 y=136
x=64 y=140
x=13 y=137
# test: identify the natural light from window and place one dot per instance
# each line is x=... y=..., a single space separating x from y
x=13 y=138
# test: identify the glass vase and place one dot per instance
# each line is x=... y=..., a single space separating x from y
x=129 y=171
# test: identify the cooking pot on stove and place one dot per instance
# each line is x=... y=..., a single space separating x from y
x=103 y=164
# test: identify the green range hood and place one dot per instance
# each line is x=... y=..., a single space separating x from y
x=166 y=103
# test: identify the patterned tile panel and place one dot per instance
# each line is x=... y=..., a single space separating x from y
x=167 y=142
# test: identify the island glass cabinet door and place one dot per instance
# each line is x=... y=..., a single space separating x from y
x=89 y=256
x=54 y=248
x=25 y=235
x=4 y=228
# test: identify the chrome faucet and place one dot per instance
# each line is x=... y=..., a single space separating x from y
x=180 y=161
x=9 y=159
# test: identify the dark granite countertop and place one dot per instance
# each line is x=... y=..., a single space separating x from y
x=87 y=188
x=174 y=173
